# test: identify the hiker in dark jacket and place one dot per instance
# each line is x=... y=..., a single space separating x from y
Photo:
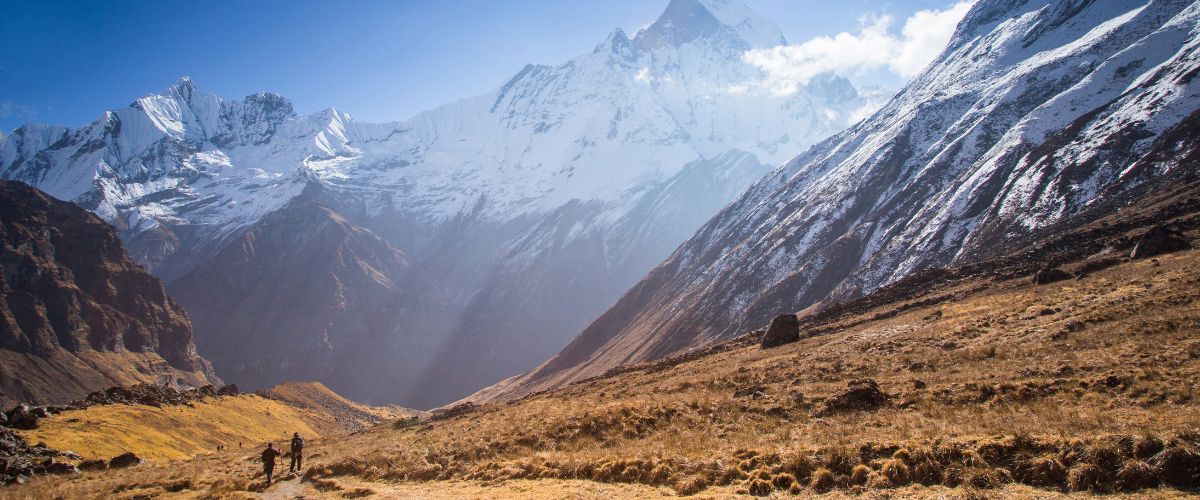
x=268 y=460
x=297 y=452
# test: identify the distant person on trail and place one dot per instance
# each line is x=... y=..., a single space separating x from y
x=297 y=452
x=268 y=460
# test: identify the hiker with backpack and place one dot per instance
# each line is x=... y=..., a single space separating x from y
x=297 y=452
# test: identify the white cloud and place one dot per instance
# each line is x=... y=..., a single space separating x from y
x=874 y=47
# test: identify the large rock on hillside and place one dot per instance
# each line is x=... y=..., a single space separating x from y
x=1159 y=240
x=784 y=329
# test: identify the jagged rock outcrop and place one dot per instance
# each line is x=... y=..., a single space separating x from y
x=76 y=314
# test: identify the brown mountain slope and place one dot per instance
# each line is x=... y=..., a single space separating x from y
x=76 y=314
x=308 y=295
x=325 y=404
x=984 y=387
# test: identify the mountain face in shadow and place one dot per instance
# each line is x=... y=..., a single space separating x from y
x=76 y=314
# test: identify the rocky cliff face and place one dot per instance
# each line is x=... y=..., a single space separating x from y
x=1039 y=115
x=76 y=314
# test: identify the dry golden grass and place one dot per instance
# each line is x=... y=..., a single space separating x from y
x=1007 y=390
x=174 y=432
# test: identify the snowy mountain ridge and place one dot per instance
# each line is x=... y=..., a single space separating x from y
x=1037 y=112
x=595 y=168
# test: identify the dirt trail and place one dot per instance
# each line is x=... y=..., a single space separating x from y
x=289 y=487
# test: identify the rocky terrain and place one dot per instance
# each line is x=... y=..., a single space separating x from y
x=1039 y=117
x=19 y=461
x=76 y=314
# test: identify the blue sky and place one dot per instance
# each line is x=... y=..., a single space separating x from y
x=67 y=62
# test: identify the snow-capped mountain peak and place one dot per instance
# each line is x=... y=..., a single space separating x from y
x=611 y=158
x=727 y=21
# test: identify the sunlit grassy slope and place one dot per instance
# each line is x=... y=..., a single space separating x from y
x=176 y=432
x=173 y=432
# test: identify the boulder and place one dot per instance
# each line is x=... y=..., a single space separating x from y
x=56 y=467
x=17 y=466
x=127 y=459
x=228 y=390
x=22 y=417
x=784 y=329
x=860 y=395
x=755 y=392
x=10 y=443
x=1050 y=275
x=1159 y=240
x=118 y=394
x=93 y=464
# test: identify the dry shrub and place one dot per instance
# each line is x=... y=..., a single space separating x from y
x=1179 y=466
x=859 y=475
x=1045 y=471
x=797 y=464
x=631 y=473
x=1136 y=475
x=661 y=474
x=1088 y=477
x=928 y=472
x=878 y=481
x=841 y=460
x=896 y=472
x=325 y=484
x=729 y=475
x=783 y=481
x=903 y=455
x=759 y=488
x=763 y=474
x=980 y=477
x=1104 y=455
x=691 y=485
x=822 y=480
x=1147 y=447
x=358 y=493
x=925 y=467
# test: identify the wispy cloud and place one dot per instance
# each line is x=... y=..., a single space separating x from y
x=923 y=36
x=9 y=109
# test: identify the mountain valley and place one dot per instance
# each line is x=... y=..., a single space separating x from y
x=644 y=272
